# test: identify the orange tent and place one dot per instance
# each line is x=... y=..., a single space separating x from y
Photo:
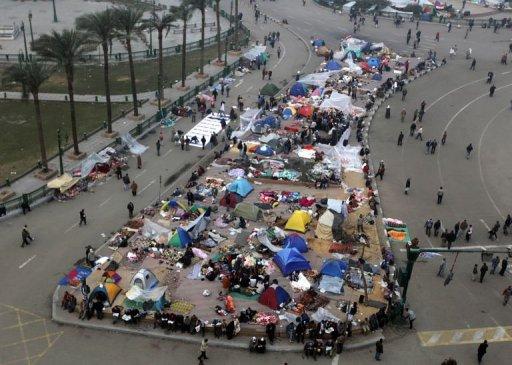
x=306 y=111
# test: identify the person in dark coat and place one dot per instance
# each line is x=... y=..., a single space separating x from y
x=230 y=330
x=130 y=208
x=504 y=264
x=388 y=112
x=482 y=349
x=271 y=332
x=379 y=349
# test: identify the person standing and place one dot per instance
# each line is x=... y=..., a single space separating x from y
x=443 y=139
x=203 y=142
x=158 y=145
x=442 y=268
x=469 y=233
x=83 y=218
x=119 y=173
x=388 y=112
x=469 y=149
x=482 y=349
x=473 y=64
x=475 y=272
x=411 y=316
x=494 y=264
x=379 y=349
x=26 y=238
x=134 y=188
x=400 y=139
x=440 y=194
x=360 y=224
x=419 y=134
x=404 y=93
x=483 y=271
x=428 y=226
x=202 y=350
x=504 y=264
x=126 y=182
x=437 y=227
x=415 y=115
x=403 y=113
x=412 y=129
x=139 y=162
x=278 y=52
x=506 y=224
x=271 y=332
x=407 y=186
x=492 y=89
x=130 y=208
x=506 y=294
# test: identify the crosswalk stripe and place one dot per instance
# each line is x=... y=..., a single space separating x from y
x=465 y=336
x=457 y=336
x=433 y=340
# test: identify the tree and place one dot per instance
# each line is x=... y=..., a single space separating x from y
x=100 y=29
x=184 y=12
x=237 y=19
x=201 y=6
x=65 y=49
x=128 y=25
x=161 y=23
x=217 y=15
x=32 y=74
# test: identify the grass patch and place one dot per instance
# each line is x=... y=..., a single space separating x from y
x=19 y=147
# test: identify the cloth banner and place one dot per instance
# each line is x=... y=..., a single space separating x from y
x=210 y=124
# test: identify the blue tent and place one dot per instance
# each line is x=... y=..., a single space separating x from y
x=298 y=89
x=268 y=121
x=295 y=241
x=374 y=62
x=332 y=66
x=334 y=267
x=274 y=298
x=180 y=238
x=290 y=260
x=318 y=43
x=241 y=186
x=264 y=150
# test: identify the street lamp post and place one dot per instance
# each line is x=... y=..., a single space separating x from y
x=31 y=31
x=55 y=20
x=24 y=39
x=150 y=41
x=61 y=165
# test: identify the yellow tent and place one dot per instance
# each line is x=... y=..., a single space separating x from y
x=63 y=182
x=106 y=291
x=298 y=221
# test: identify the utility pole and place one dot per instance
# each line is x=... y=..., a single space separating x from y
x=55 y=20
x=24 y=40
x=236 y=25
x=31 y=32
x=61 y=165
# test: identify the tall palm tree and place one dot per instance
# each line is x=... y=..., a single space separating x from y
x=217 y=15
x=100 y=29
x=184 y=12
x=201 y=6
x=161 y=23
x=65 y=48
x=129 y=26
x=32 y=74
x=237 y=19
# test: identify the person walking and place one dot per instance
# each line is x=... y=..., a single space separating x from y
x=158 y=146
x=203 y=142
x=379 y=349
x=134 y=188
x=493 y=233
x=412 y=129
x=404 y=93
x=400 y=138
x=504 y=264
x=130 y=208
x=278 y=52
x=126 y=182
x=506 y=294
x=440 y=195
x=83 y=218
x=433 y=146
x=475 y=272
x=388 y=112
x=483 y=271
x=437 y=226
x=482 y=349
x=407 y=186
x=410 y=315
x=202 y=350
x=442 y=268
x=494 y=264
x=419 y=134
x=403 y=113
x=360 y=224
x=428 y=226
x=490 y=76
x=139 y=162
x=506 y=224
x=443 y=139
x=415 y=115
x=119 y=172
x=381 y=170
x=26 y=238
x=473 y=64
x=437 y=37
x=270 y=329
x=469 y=233
x=469 y=149
x=492 y=89
x=421 y=113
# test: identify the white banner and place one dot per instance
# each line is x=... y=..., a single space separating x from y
x=210 y=124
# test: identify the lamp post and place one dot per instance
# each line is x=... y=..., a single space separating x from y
x=31 y=31
x=226 y=48
x=150 y=40
x=55 y=20
x=60 y=152
x=24 y=39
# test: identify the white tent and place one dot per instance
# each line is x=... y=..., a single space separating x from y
x=348 y=6
x=144 y=279
x=338 y=101
x=317 y=79
x=254 y=52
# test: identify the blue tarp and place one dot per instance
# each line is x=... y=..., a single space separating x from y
x=334 y=268
x=76 y=275
x=295 y=241
x=290 y=260
x=318 y=43
x=374 y=62
x=180 y=239
x=270 y=121
x=298 y=89
x=241 y=186
x=332 y=66
x=264 y=151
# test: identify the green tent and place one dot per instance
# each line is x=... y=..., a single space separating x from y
x=248 y=211
x=269 y=89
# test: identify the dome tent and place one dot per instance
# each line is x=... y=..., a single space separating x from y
x=230 y=200
x=332 y=66
x=144 y=279
x=274 y=297
x=264 y=150
x=180 y=238
x=298 y=89
x=318 y=43
x=334 y=267
x=241 y=186
x=106 y=292
x=298 y=221
x=295 y=241
x=248 y=211
x=290 y=260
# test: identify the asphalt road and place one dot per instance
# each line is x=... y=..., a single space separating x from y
x=475 y=188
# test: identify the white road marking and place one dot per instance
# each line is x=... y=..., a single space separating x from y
x=140 y=173
x=452 y=91
x=105 y=202
x=26 y=262
x=506 y=72
x=249 y=88
x=148 y=185
x=478 y=336
x=71 y=227
x=282 y=55
x=479 y=158
x=239 y=83
x=485 y=225
x=456 y=337
x=335 y=360
x=499 y=334
x=434 y=338
x=165 y=154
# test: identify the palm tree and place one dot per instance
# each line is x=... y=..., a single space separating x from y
x=184 y=12
x=100 y=29
x=161 y=23
x=217 y=15
x=128 y=25
x=65 y=48
x=237 y=18
x=32 y=74
x=201 y=6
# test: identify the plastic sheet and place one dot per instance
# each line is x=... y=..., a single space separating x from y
x=135 y=147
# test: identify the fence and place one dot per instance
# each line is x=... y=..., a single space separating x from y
x=140 y=130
